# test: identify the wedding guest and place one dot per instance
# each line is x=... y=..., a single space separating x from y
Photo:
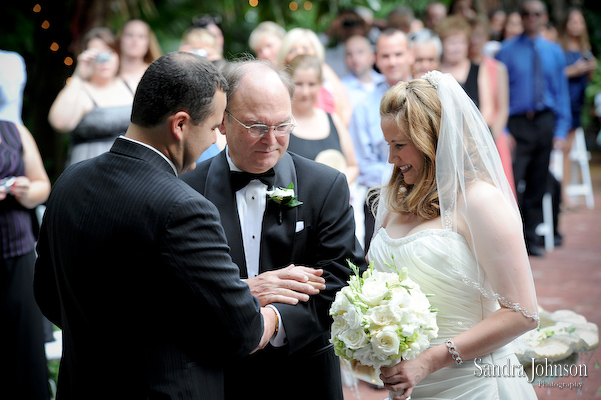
x=138 y=47
x=362 y=79
x=499 y=88
x=435 y=12
x=513 y=25
x=347 y=23
x=580 y=63
x=126 y=245
x=539 y=112
x=400 y=18
x=394 y=59
x=318 y=135
x=95 y=105
x=373 y=26
x=13 y=76
x=200 y=42
x=549 y=32
x=496 y=22
x=266 y=39
x=24 y=185
x=463 y=8
x=293 y=256
x=439 y=218
x=454 y=32
x=427 y=51
x=212 y=23
x=332 y=97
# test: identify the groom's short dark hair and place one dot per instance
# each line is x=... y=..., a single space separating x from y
x=177 y=81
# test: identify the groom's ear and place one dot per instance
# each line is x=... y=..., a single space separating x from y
x=178 y=124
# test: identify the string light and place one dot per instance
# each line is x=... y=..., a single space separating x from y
x=37 y=8
x=54 y=46
x=293 y=5
x=253 y=3
x=45 y=24
x=68 y=61
x=308 y=5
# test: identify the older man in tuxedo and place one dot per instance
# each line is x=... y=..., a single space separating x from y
x=133 y=263
x=284 y=250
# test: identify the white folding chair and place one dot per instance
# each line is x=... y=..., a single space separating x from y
x=580 y=179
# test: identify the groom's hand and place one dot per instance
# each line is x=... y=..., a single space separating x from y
x=287 y=285
x=269 y=321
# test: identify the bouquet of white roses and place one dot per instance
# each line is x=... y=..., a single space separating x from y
x=381 y=318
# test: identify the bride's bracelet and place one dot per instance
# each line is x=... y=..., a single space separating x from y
x=453 y=350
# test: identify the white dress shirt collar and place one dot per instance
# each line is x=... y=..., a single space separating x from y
x=153 y=149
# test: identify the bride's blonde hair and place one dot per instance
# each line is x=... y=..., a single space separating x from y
x=416 y=109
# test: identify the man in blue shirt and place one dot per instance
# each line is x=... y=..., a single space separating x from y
x=362 y=79
x=539 y=112
x=394 y=59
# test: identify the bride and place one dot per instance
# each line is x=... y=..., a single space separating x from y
x=449 y=216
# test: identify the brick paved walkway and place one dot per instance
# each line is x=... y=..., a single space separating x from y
x=567 y=278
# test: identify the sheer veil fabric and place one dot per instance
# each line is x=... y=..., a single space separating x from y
x=477 y=202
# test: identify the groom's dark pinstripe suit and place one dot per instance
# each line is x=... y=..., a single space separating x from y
x=134 y=267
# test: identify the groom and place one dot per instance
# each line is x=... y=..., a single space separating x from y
x=133 y=264
x=266 y=237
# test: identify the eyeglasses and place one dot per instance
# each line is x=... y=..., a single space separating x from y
x=260 y=130
x=531 y=14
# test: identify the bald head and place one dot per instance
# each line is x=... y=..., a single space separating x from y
x=248 y=72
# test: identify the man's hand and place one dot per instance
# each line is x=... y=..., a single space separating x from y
x=269 y=321
x=287 y=285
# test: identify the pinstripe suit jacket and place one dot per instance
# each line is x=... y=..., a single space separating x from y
x=134 y=267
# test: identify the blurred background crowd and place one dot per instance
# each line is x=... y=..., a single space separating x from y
x=69 y=71
x=49 y=36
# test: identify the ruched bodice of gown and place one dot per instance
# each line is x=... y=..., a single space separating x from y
x=426 y=256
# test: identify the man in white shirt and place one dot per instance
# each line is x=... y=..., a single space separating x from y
x=293 y=255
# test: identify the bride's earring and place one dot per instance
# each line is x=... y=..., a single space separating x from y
x=402 y=190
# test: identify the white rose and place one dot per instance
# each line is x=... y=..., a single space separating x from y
x=400 y=302
x=338 y=326
x=382 y=315
x=353 y=318
x=341 y=302
x=374 y=291
x=385 y=343
x=354 y=338
x=280 y=192
x=364 y=356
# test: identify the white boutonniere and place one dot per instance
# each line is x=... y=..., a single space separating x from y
x=284 y=196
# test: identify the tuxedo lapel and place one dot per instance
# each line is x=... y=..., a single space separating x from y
x=219 y=192
x=277 y=237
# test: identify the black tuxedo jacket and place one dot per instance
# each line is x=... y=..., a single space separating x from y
x=134 y=267
x=320 y=233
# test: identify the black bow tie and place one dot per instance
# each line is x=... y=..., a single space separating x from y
x=241 y=179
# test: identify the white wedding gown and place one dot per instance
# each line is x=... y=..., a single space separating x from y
x=426 y=257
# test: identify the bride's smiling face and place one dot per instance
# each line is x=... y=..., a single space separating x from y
x=403 y=153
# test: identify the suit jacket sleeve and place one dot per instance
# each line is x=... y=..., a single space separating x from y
x=44 y=281
x=195 y=248
x=330 y=244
